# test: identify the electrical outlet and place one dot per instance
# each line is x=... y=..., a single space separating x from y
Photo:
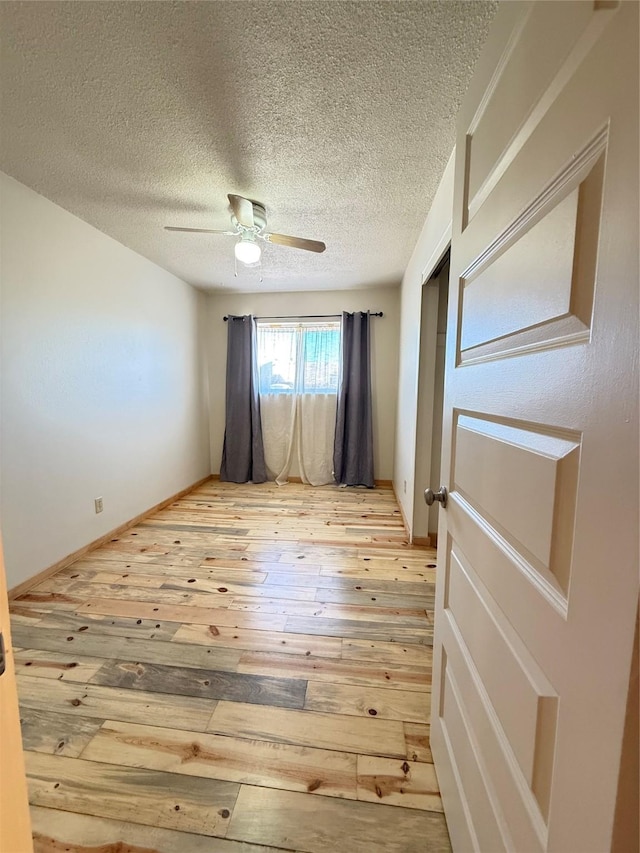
x=98 y=503
x=405 y=487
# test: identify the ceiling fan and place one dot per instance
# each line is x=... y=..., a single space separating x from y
x=249 y=221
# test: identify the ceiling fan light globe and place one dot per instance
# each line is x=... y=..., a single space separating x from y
x=247 y=252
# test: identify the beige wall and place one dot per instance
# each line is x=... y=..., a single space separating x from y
x=384 y=354
x=432 y=243
x=103 y=392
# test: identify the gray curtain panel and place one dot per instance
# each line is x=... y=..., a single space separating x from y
x=353 y=449
x=243 y=451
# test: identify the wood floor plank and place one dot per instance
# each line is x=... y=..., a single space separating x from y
x=86 y=590
x=275 y=606
x=95 y=564
x=178 y=593
x=91 y=700
x=84 y=643
x=390 y=654
x=393 y=565
x=268 y=564
x=134 y=794
x=23 y=614
x=356 y=612
x=277 y=765
x=233 y=589
x=317 y=826
x=370 y=599
x=412 y=784
x=155 y=576
x=194 y=528
x=368 y=702
x=335 y=670
x=246 y=638
x=64 y=666
x=356 y=629
x=426 y=576
x=405 y=554
x=241 y=576
x=109 y=625
x=372 y=586
x=240 y=556
x=130 y=578
x=203 y=683
x=310 y=728
x=56 y=831
x=298 y=552
x=56 y=734
x=184 y=613
x=374 y=613
x=50 y=600
x=131 y=556
x=279 y=578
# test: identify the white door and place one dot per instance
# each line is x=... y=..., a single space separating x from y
x=15 y=827
x=538 y=573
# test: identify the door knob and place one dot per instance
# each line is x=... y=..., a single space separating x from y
x=441 y=495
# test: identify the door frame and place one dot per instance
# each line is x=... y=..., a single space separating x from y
x=15 y=822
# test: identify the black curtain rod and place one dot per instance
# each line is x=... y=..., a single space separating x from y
x=309 y=316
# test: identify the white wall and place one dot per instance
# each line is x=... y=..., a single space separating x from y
x=384 y=353
x=432 y=243
x=103 y=385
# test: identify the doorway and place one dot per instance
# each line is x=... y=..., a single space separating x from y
x=433 y=330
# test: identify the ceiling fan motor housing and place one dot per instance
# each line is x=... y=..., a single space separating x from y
x=259 y=218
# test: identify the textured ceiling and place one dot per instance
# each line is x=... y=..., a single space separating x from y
x=338 y=116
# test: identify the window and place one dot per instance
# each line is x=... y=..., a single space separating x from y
x=298 y=356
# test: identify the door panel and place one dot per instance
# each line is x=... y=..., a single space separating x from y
x=531 y=289
x=524 y=702
x=538 y=586
x=537 y=48
x=523 y=484
x=546 y=300
x=513 y=808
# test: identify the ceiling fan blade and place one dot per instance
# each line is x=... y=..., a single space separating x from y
x=243 y=210
x=198 y=230
x=296 y=242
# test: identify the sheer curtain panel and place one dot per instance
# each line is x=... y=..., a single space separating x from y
x=298 y=366
x=242 y=452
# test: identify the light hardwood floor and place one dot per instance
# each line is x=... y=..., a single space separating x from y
x=248 y=670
